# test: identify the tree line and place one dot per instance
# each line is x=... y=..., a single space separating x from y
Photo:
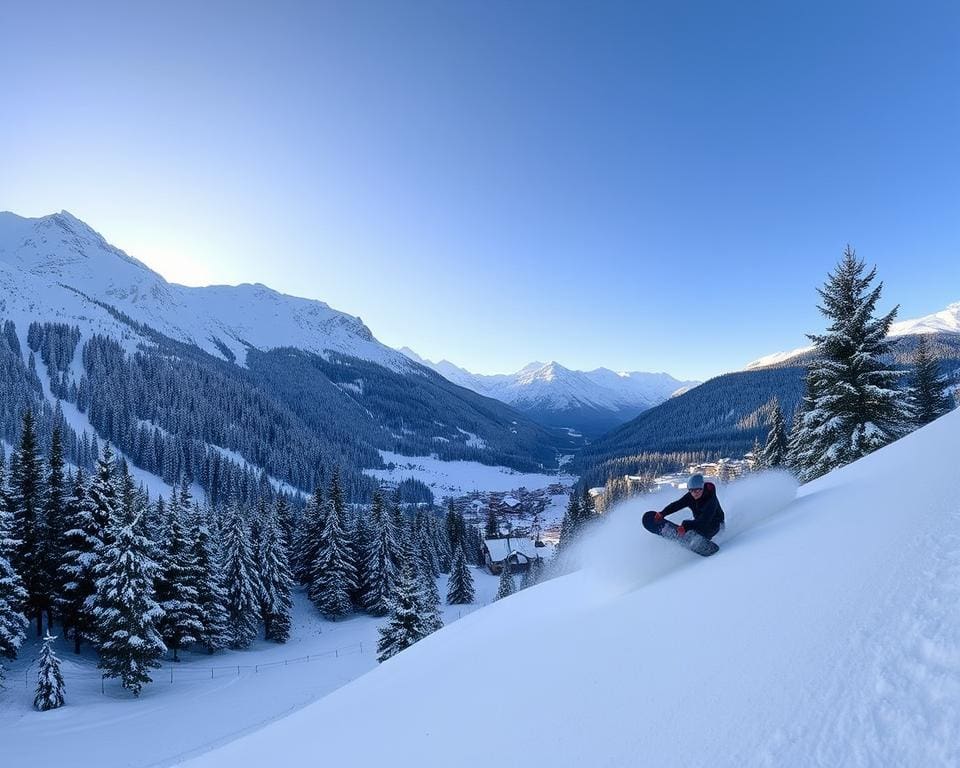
x=138 y=579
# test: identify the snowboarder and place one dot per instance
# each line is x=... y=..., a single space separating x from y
x=701 y=499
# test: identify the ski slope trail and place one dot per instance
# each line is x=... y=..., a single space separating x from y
x=826 y=634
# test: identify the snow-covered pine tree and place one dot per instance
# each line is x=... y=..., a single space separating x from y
x=359 y=540
x=275 y=578
x=124 y=607
x=55 y=526
x=429 y=598
x=441 y=543
x=775 y=449
x=333 y=578
x=26 y=496
x=176 y=587
x=756 y=453
x=460 y=589
x=572 y=521
x=858 y=406
x=405 y=625
x=507 y=585
x=83 y=546
x=239 y=570
x=381 y=559
x=311 y=534
x=13 y=596
x=426 y=552
x=927 y=386
x=456 y=528
x=211 y=593
x=50 y=688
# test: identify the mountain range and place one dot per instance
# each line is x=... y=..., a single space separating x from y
x=183 y=380
x=590 y=402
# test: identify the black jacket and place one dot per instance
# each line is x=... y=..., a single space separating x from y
x=707 y=512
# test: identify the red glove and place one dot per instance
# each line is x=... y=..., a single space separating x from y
x=658 y=517
x=681 y=530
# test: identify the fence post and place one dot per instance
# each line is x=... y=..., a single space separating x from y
x=361 y=647
x=238 y=670
x=101 y=684
x=211 y=673
x=171 y=675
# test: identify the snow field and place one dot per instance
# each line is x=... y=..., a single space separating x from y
x=823 y=635
x=171 y=722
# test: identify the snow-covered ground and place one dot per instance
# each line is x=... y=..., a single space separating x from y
x=824 y=633
x=210 y=701
x=457 y=478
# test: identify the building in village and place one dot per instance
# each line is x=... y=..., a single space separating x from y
x=517 y=552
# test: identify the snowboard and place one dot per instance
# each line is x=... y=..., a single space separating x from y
x=690 y=540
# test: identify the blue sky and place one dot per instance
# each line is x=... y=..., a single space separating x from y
x=643 y=186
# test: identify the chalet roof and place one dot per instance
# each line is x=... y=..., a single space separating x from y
x=501 y=549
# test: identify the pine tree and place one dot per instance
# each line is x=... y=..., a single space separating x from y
x=572 y=522
x=176 y=588
x=50 y=688
x=381 y=559
x=927 y=387
x=243 y=609
x=55 y=526
x=13 y=596
x=460 y=587
x=507 y=585
x=276 y=579
x=358 y=545
x=83 y=545
x=333 y=577
x=775 y=449
x=492 y=528
x=756 y=454
x=211 y=593
x=405 y=626
x=311 y=536
x=429 y=600
x=26 y=495
x=124 y=608
x=441 y=543
x=858 y=407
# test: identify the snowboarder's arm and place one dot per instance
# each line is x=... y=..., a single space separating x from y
x=676 y=506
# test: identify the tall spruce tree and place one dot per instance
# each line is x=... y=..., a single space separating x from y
x=405 y=625
x=176 y=584
x=460 y=589
x=333 y=578
x=13 y=596
x=50 y=687
x=382 y=557
x=858 y=406
x=83 y=544
x=276 y=579
x=775 y=449
x=124 y=607
x=927 y=386
x=26 y=495
x=240 y=578
x=572 y=521
x=211 y=594
x=55 y=525
x=311 y=534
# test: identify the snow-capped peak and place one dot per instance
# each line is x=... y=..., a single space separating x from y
x=945 y=321
x=56 y=267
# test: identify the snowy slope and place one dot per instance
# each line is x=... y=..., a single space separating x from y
x=540 y=388
x=45 y=262
x=824 y=633
x=944 y=321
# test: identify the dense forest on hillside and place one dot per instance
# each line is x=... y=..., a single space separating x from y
x=177 y=411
